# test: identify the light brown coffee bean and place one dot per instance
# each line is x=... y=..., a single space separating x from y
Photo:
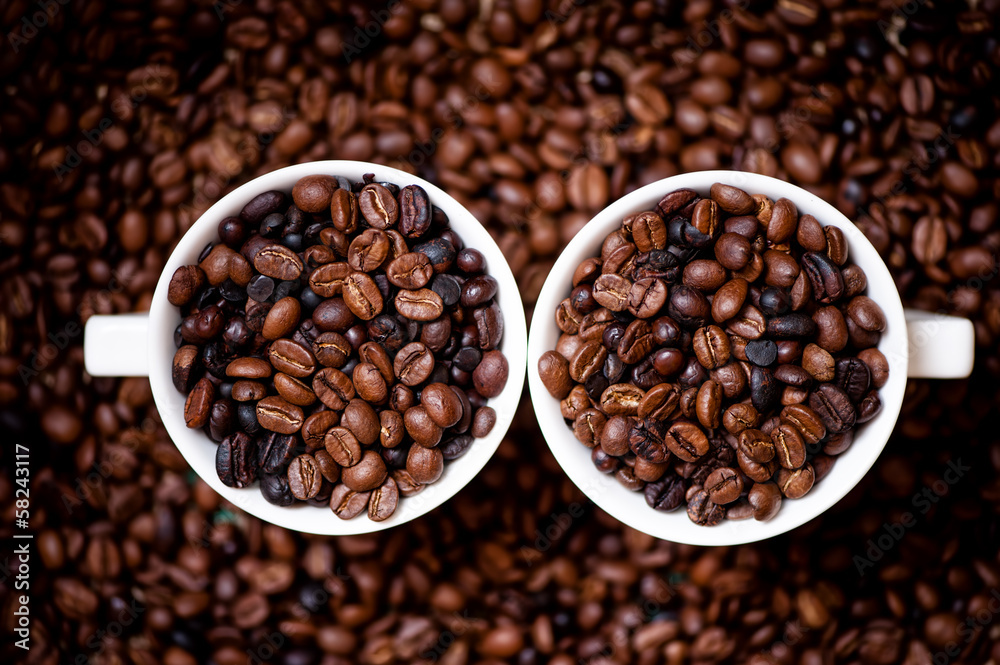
x=621 y=399
x=249 y=368
x=292 y=358
x=425 y=465
x=708 y=404
x=278 y=262
x=378 y=206
x=327 y=280
x=419 y=305
x=729 y=299
x=343 y=446
x=383 y=501
x=612 y=291
x=368 y=251
x=733 y=200
x=421 y=427
x=198 y=405
x=369 y=383
x=711 y=346
x=818 y=362
x=362 y=296
x=315 y=427
x=739 y=417
x=345 y=502
x=413 y=364
x=367 y=474
x=293 y=390
x=686 y=441
x=278 y=415
x=282 y=319
x=333 y=388
x=344 y=211
x=410 y=271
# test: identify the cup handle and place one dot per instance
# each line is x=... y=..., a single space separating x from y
x=941 y=347
x=117 y=345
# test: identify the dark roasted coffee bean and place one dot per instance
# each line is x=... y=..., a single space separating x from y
x=383 y=501
x=834 y=408
x=647 y=439
x=869 y=407
x=275 y=490
x=765 y=390
x=762 y=352
x=824 y=277
x=665 y=495
x=235 y=460
x=440 y=252
x=796 y=484
x=263 y=205
x=304 y=477
x=184 y=368
x=853 y=377
x=367 y=474
x=791 y=326
x=739 y=417
x=702 y=511
x=688 y=306
x=489 y=324
x=185 y=283
x=222 y=420
x=456 y=447
x=765 y=499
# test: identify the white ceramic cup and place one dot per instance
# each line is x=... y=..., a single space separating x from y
x=916 y=344
x=142 y=345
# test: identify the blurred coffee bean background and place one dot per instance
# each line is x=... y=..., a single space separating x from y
x=121 y=122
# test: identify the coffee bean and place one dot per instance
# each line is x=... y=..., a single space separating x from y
x=765 y=499
x=686 y=440
x=261 y=206
x=367 y=474
x=278 y=415
x=612 y=291
x=362 y=296
x=789 y=446
x=184 y=367
x=733 y=251
x=425 y=465
x=733 y=200
x=292 y=358
x=702 y=511
x=824 y=277
x=275 y=490
x=278 y=262
x=489 y=324
x=304 y=477
x=419 y=305
x=368 y=251
x=705 y=275
x=649 y=232
x=383 y=501
x=185 y=283
x=762 y=352
x=282 y=319
x=197 y=407
x=866 y=313
x=442 y=405
x=711 y=346
x=248 y=391
x=665 y=495
x=739 y=417
x=765 y=390
x=724 y=485
x=483 y=421
x=314 y=192
x=869 y=407
x=421 y=427
x=818 y=362
x=877 y=365
x=235 y=460
x=346 y=503
x=728 y=300
x=378 y=206
x=834 y=408
x=796 y=484
x=370 y=384
x=709 y=404
x=853 y=377
x=836 y=245
x=293 y=390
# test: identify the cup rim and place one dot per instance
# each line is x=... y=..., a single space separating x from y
x=199 y=450
x=630 y=507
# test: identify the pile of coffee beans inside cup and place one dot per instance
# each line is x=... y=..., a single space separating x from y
x=714 y=349
x=339 y=344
